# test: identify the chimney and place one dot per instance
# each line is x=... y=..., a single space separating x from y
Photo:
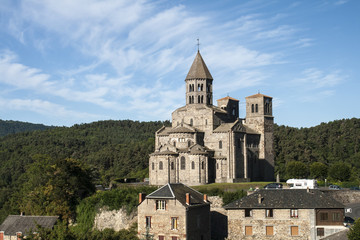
x=260 y=199
x=308 y=189
x=141 y=197
x=205 y=198
x=187 y=198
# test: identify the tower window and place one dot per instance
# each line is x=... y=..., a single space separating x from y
x=192 y=99
x=192 y=165
x=160 y=165
x=252 y=108
x=233 y=112
x=172 y=166
x=191 y=122
x=202 y=99
x=256 y=108
x=220 y=144
x=152 y=166
x=199 y=87
x=182 y=163
x=202 y=165
x=198 y=99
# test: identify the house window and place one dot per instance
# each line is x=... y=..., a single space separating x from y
x=174 y=223
x=336 y=217
x=269 y=213
x=294 y=213
x=324 y=216
x=174 y=238
x=248 y=230
x=220 y=144
x=269 y=230
x=320 y=232
x=161 y=238
x=192 y=165
x=160 y=204
x=182 y=163
x=248 y=212
x=148 y=221
x=160 y=165
x=294 y=231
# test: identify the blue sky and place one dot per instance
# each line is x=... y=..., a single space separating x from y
x=71 y=62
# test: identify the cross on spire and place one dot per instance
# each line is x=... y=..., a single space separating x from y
x=198 y=44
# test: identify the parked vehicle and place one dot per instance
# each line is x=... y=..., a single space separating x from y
x=355 y=188
x=274 y=186
x=334 y=187
x=302 y=183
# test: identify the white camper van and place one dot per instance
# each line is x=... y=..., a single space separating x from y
x=302 y=183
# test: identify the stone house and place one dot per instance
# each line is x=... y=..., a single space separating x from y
x=15 y=226
x=174 y=211
x=208 y=143
x=285 y=214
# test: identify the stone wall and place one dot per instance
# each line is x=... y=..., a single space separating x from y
x=115 y=219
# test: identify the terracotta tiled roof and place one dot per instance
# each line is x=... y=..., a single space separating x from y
x=226 y=98
x=23 y=224
x=199 y=69
x=258 y=95
x=285 y=199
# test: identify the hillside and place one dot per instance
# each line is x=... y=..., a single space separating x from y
x=118 y=149
x=11 y=127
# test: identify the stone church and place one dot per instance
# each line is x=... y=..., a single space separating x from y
x=208 y=143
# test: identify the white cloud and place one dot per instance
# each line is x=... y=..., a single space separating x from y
x=315 y=78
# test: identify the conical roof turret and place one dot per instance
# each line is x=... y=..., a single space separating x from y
x=198 y=69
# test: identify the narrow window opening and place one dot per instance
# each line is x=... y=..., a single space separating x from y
x=160 y=165
x=252 y=108
x=220 y=144
x=182 y=163
x=256 y=108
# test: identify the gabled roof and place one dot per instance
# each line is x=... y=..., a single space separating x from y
x=178 y=191
x=182 y=129
x=258 y=95
x=198 y=149
x=286 y=199
x=199 y=69
x=23 y=224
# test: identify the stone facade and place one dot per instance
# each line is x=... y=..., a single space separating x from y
x=174 y=212
x=114 y=219
x=208 y=143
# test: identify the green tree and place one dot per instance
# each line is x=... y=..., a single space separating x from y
x=354 y=232
x=340 y=171
x=318 y=170
x=296 y=169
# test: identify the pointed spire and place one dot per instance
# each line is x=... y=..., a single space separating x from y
x=199 y=69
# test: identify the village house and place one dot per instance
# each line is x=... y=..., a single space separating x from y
x=15 y=226
x=174 y=211
x=285 y=214
x=208 y=143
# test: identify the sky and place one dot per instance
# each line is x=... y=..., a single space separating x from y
x=72 y=62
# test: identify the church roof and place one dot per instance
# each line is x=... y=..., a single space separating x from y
x=199 y=69
x=227 y=98
x=23 y=223
x=178 y=191
x=181 y=129
x=258 y=95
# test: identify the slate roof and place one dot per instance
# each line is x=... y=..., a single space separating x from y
x=23 y=224
x=224 y=127
x=199 y=69
x=178 y=191
x=286 y=199
x=181 y=129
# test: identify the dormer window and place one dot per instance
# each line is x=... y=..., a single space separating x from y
x=160 y=204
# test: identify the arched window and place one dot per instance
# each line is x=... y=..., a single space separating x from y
x=217 y=165
x=202 y=99
x=198 y=99
x=174 y=143
x=252 y=108
x=220 y=144
x=160 y=165
x=256 y=108
x=233 y=111
x=182 y=163
x=192 y=99
x=202 y=165
x=205 y=121
x=191 y=122
x=172 y=165
x=152 y=166
x=201 y=88
x=189 y=99
x=192 y=165
x=189 y=143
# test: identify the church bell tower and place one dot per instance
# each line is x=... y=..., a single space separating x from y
x=199 y=83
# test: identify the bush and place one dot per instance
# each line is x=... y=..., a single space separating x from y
x=339 y=172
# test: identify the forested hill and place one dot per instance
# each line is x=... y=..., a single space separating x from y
x=11 y=127
x=328 y=143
